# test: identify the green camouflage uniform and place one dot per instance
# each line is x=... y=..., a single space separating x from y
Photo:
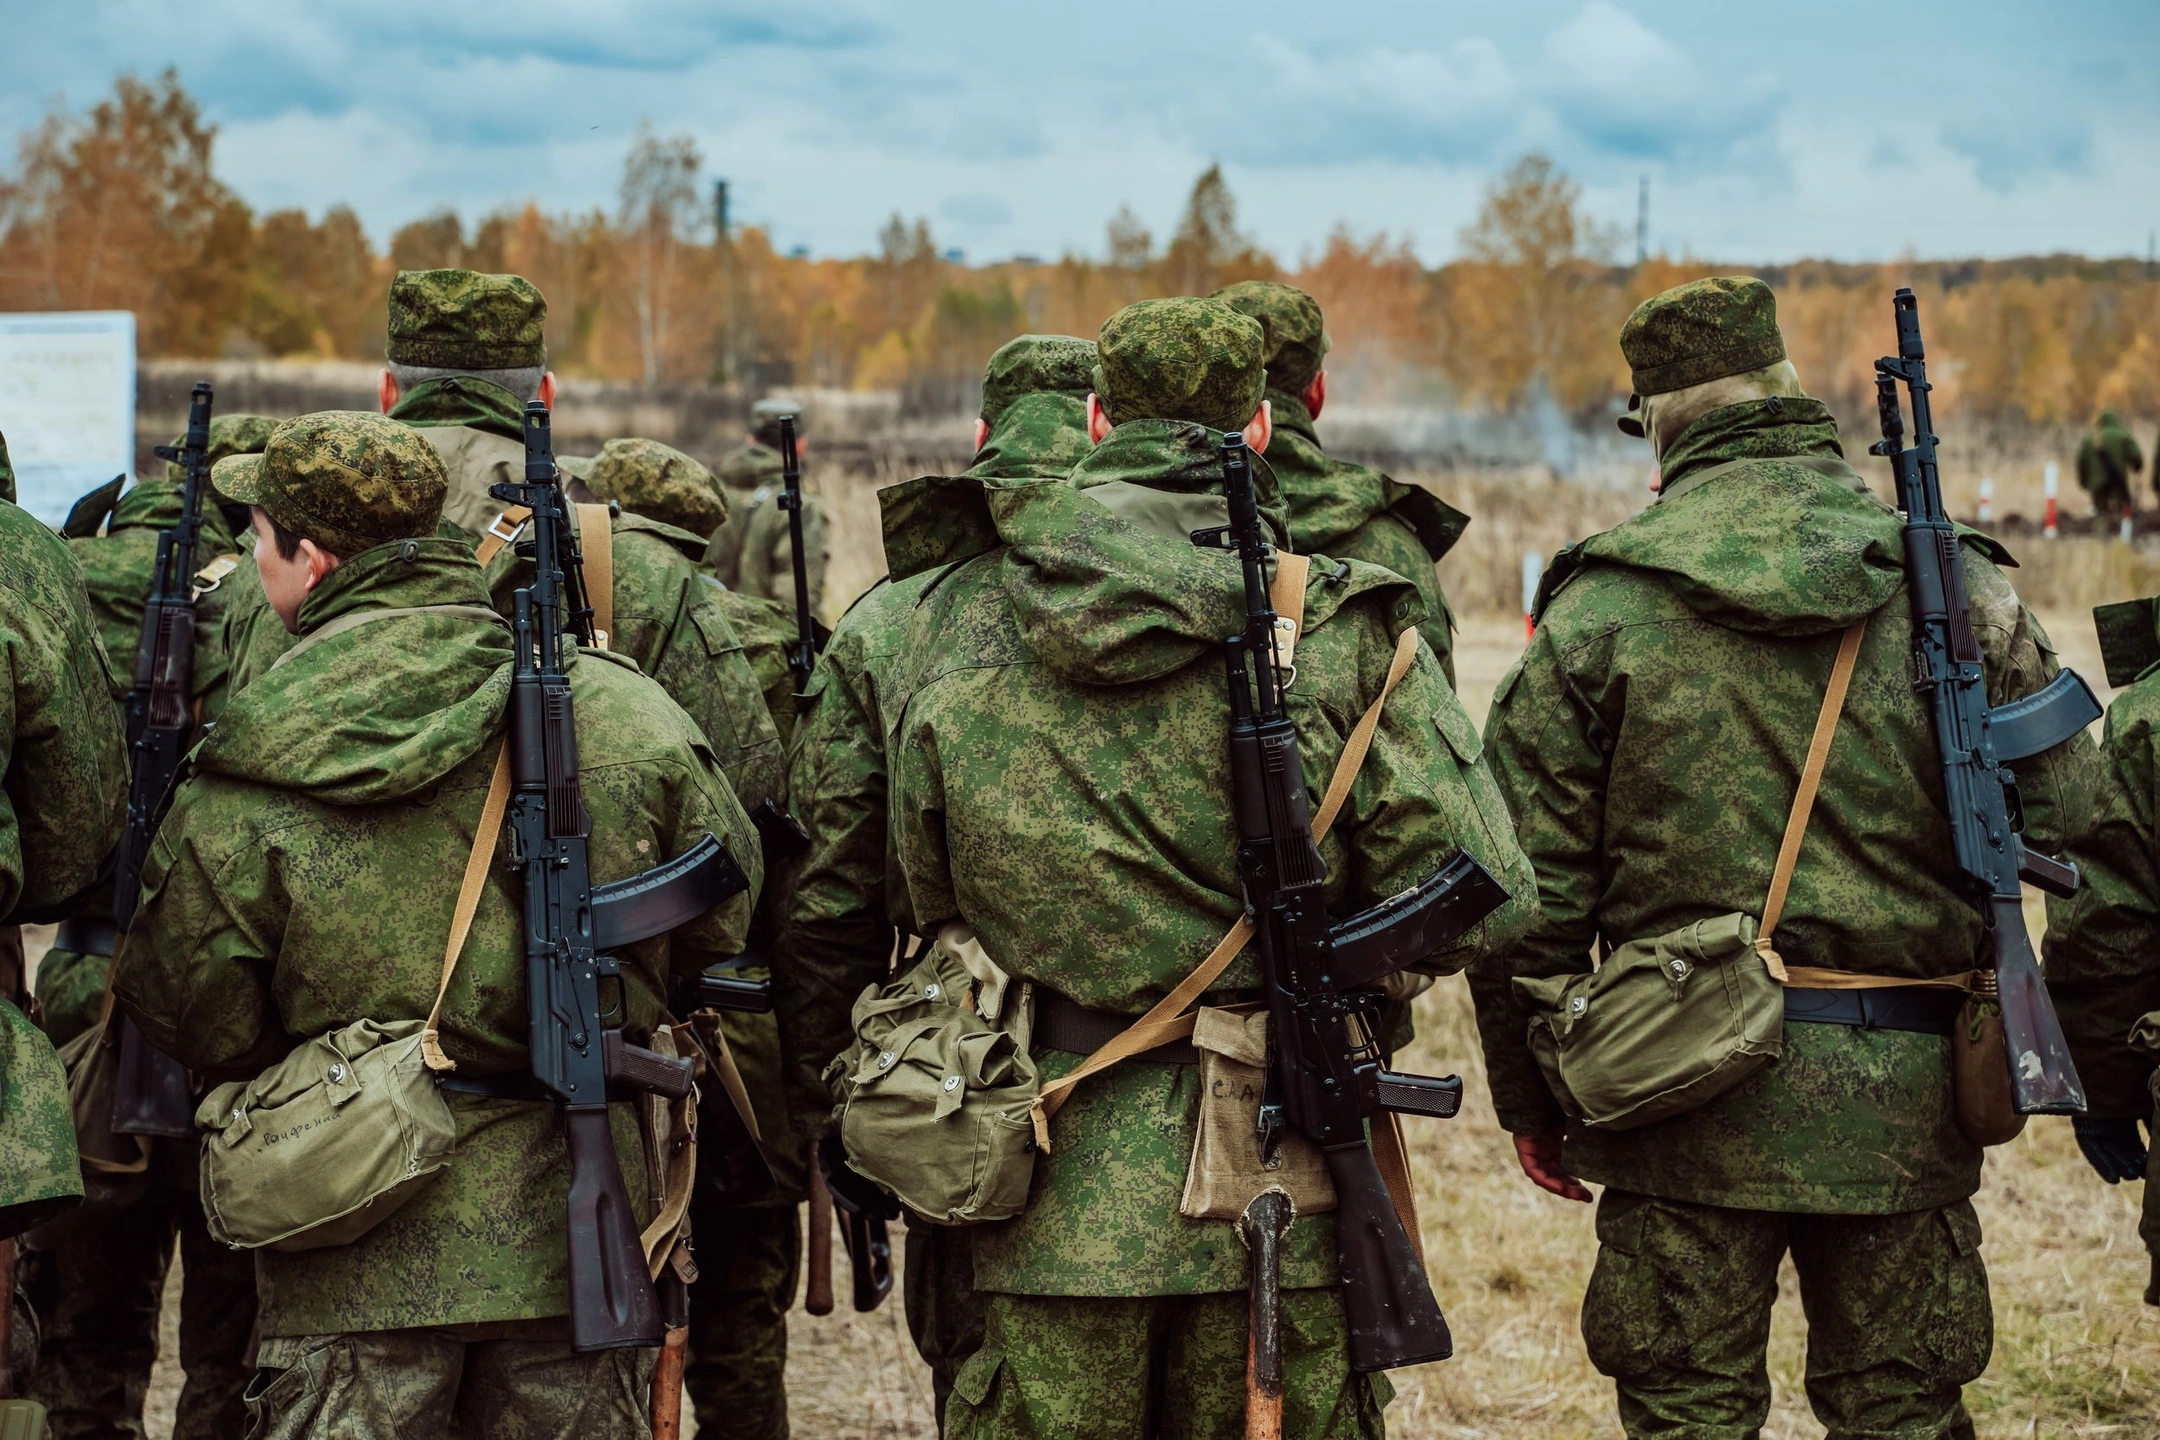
x=98 y=1293
x=1060 y=783
x=839 y=911
x=1649 y=743
x=2107 y=460
x=2103 y=943
x=753 y=548
x=736 y=1372
x=63 y=801
x=303 y=879
x=7 y=473
x=1350 y=512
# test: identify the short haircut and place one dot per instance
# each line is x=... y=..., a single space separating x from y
x=523 y=382
x=286 y=541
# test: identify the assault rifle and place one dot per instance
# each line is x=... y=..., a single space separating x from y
x=802 y=651
x=571 y=925
x=1977 y=742
x=151 y=1095
x=1324 y=1076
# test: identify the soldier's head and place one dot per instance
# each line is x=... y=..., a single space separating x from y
x=460 y=324
x=1297 y=338
x=765 y=418
x=659 y=482
x=1182 y=359
x=2109 y=420
x=1034 y=365
x=1699 y=347
x=326 y=487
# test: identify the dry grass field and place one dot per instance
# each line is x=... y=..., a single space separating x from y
x=2077 y=1353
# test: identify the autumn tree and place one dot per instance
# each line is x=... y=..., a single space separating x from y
x=659 y=216
x=315 y=289
x=1208 y=249
x=120 y=210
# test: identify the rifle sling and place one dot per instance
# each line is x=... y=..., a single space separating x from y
x=503 y=529
x=1171 y=1019
x=468 y=902
x=596 y=536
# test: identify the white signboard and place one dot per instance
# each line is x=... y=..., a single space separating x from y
x=67 y=404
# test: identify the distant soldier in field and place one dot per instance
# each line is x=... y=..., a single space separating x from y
x=1349 y=512
x=753 y=549
x=839 y=915
x=99 y=1291
x=1651 y=744
x=2108 y=461
x=2103 y=943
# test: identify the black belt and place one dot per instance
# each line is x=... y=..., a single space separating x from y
x=1062 y=1024
x=87 y=935
x=1904 y=1007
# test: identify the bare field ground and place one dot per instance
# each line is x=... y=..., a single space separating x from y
x=2077 y=1353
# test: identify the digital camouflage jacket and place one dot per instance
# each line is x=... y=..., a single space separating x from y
x=304 y=877
x=668 y=621
x=63 y=802
x=1649 y=743
x=1353 y=512
x=839 y=909
x=1061 y=783
x=478 y=429
x=753 y=550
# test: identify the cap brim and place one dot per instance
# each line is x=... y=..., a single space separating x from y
x=238 y=478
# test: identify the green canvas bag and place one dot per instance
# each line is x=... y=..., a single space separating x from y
x=326 y=1144
x=1669 y=1023
x=936 y=1092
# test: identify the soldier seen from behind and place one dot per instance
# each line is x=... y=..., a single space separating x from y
x=2108 y=462
x=753 y=549
x=1651 y=743
x=303 y=885
x=1061 y=799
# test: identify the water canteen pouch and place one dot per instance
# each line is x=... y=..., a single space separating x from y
x=1228 y=1169
x=1987 y=1111
x=329 y=1142
x=935 y=1095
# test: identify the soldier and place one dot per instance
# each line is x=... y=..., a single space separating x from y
x=99 y=1291
x=7 y=473
x=2107 y=458
x=748 y=1256
x=303 y=879
x=2103 y=943
x=753 y=550
x=1061 y=785
x=838 y=915
x=63 y=804
x=1650 y=744
x=1351 y=512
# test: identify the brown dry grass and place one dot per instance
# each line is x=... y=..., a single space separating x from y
x=2077 y=1353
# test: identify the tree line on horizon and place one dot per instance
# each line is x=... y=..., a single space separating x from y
x=120 y=207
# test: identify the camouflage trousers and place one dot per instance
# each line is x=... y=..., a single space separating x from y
x=749 y=1259
x=1678 y=1314
x=1166 y=1367
x=514 y=1381
x=944 y=1309
x=98 y=1297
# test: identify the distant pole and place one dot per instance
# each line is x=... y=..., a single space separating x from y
x=2048 y=517
x=719 y=205
x=2152 y=252
x=1987 y=500
x=1642 y=221
x=1533 y=573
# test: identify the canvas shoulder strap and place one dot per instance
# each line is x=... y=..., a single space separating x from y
x=468 y=902
x=502 y=530
x=1170 y=1018
x=596 y=542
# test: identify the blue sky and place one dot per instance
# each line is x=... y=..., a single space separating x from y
x=1842 y=129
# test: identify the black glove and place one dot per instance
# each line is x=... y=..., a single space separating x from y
x=853 y=1193
x=2111 y=1147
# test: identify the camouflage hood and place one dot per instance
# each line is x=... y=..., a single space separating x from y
x=1040 y=435
x=1330 y=500
x=1102 y=574
x=156 y=505
x=382 y=711
x=1761 y=525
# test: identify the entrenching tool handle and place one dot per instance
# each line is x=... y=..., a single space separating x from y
x=1262 y=1226
x=817 y=1289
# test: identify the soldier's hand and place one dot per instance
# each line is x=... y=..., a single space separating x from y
x=2111 y=1147
x=1540 y=1157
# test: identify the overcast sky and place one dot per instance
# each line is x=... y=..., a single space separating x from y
x=1855 y=129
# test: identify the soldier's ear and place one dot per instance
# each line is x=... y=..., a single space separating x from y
x=1261 y=428
x=1315 y=396
x=547 y=390
x=982 y=431
x=387 y=391
x=1098 y=419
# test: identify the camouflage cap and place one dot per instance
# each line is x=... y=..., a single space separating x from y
x=659 y=482
x=765 y=417
x=346 y=479
x=1702 y=331
x=1181 y=359
x=1297 y=339
x=463 y=320
x=229 y=435
x=1036 y=364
